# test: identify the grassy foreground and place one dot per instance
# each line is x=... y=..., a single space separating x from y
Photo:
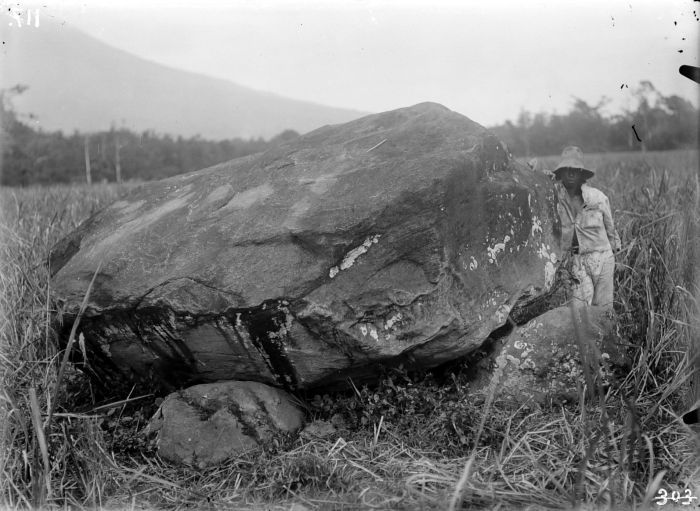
x=412 y=442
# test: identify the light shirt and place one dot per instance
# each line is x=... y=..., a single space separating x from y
x=593 y=224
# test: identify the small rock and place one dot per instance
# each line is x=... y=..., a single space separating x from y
x=206 y=424
x=540 y=361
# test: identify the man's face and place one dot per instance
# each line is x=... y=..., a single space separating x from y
x=571 y=178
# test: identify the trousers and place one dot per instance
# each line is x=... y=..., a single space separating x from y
x=594 y=272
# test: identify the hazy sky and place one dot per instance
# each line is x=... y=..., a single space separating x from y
x=485 y=59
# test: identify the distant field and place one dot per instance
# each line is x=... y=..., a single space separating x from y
x=610 y=165
x=683 y=159
x=618 y=174
x=614 y=453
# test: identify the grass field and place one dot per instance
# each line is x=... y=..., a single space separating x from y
x=414 y=441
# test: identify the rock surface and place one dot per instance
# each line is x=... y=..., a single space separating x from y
x=540 y=362
x=206 y=424
x=405 y=236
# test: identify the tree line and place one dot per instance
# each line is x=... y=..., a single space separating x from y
x=654 y=122
x=31 y=156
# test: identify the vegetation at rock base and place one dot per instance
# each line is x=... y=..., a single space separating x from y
x=414 y=441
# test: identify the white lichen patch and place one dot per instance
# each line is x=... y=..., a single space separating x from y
x=532 y=325
x=392 y=321
x=499 y=364
x=242 y=331
x=373 y=333
x=315 y=309
x=525 y=348
x=544 y=252
x=536 y=226
x=352 y=256
x=286 y=327
x=496 y=249
x=528 y=364
x=502 y=313
x=369 y=329
x=474 y=264
x=513 y=360
x=549 y=272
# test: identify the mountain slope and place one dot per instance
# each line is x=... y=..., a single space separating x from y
x=78 y=82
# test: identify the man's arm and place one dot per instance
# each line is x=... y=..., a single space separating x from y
x=609 y=223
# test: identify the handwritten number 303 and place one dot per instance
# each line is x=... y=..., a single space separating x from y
x=675 y=496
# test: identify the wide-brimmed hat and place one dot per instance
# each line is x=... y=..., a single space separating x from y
x=572 y=158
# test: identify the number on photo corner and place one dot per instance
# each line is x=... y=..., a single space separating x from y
x=685 y=498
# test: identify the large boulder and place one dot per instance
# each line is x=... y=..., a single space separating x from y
x=403 y=236
x=206 y=424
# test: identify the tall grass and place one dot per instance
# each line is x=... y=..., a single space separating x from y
x=412 y=442
x=39 y=462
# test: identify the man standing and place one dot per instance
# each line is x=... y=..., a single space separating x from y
x=588 y=230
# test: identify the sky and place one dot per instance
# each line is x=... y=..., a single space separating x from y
x=485 y=59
